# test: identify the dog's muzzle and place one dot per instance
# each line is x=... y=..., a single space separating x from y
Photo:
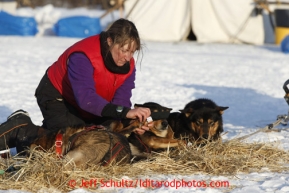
x=165 y=124
x=205 y=136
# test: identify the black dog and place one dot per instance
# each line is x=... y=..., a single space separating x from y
x=200 y=120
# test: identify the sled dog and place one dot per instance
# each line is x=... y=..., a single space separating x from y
x=200 y=121
x=159 y=136
x=87 y=145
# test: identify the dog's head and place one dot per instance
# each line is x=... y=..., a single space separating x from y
x=159 y=115
x=68 y=132
x=204 y=120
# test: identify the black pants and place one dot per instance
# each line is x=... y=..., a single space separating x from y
x=57 y=113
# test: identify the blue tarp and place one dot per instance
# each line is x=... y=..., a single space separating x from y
x=16 y=25
x=285 y=45
x=77 y=26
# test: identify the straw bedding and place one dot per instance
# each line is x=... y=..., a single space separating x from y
x=43 y=171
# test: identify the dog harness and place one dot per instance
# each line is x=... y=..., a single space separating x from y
x=75 y=136
x=112 y=152
x=72 y=139
x=58 y=145
x=147 y=149
x=108 y=157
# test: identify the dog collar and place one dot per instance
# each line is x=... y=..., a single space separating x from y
x=58 y=145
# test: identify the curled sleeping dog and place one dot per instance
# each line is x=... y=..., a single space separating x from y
x=87 y=145
x=200 y=121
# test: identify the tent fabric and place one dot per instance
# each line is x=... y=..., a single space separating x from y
x=160 y=20
x=210 y=20
x=227 y=21
x=8 y=6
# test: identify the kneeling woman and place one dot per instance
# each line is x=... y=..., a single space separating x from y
x=93 y=80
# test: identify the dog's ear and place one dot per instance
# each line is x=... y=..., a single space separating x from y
x=187 y=111
x=221 y=109
x=169 y=109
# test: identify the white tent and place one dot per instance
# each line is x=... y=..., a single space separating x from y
x=210 y=20
x=8 y=6
x=160 y=20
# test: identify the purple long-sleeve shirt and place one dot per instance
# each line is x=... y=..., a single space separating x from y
x=80 y=74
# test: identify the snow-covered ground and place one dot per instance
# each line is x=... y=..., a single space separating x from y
x=246 y=78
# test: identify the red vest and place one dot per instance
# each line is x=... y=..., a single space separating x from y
x=106 y=82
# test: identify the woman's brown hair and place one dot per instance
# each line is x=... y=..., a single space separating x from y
x=122 y=32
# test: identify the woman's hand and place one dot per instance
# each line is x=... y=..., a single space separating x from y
x=144 y=128
x=142 y=114
x=139 y=113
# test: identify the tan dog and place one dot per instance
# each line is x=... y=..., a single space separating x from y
x=88 y=145
x=160 y=136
